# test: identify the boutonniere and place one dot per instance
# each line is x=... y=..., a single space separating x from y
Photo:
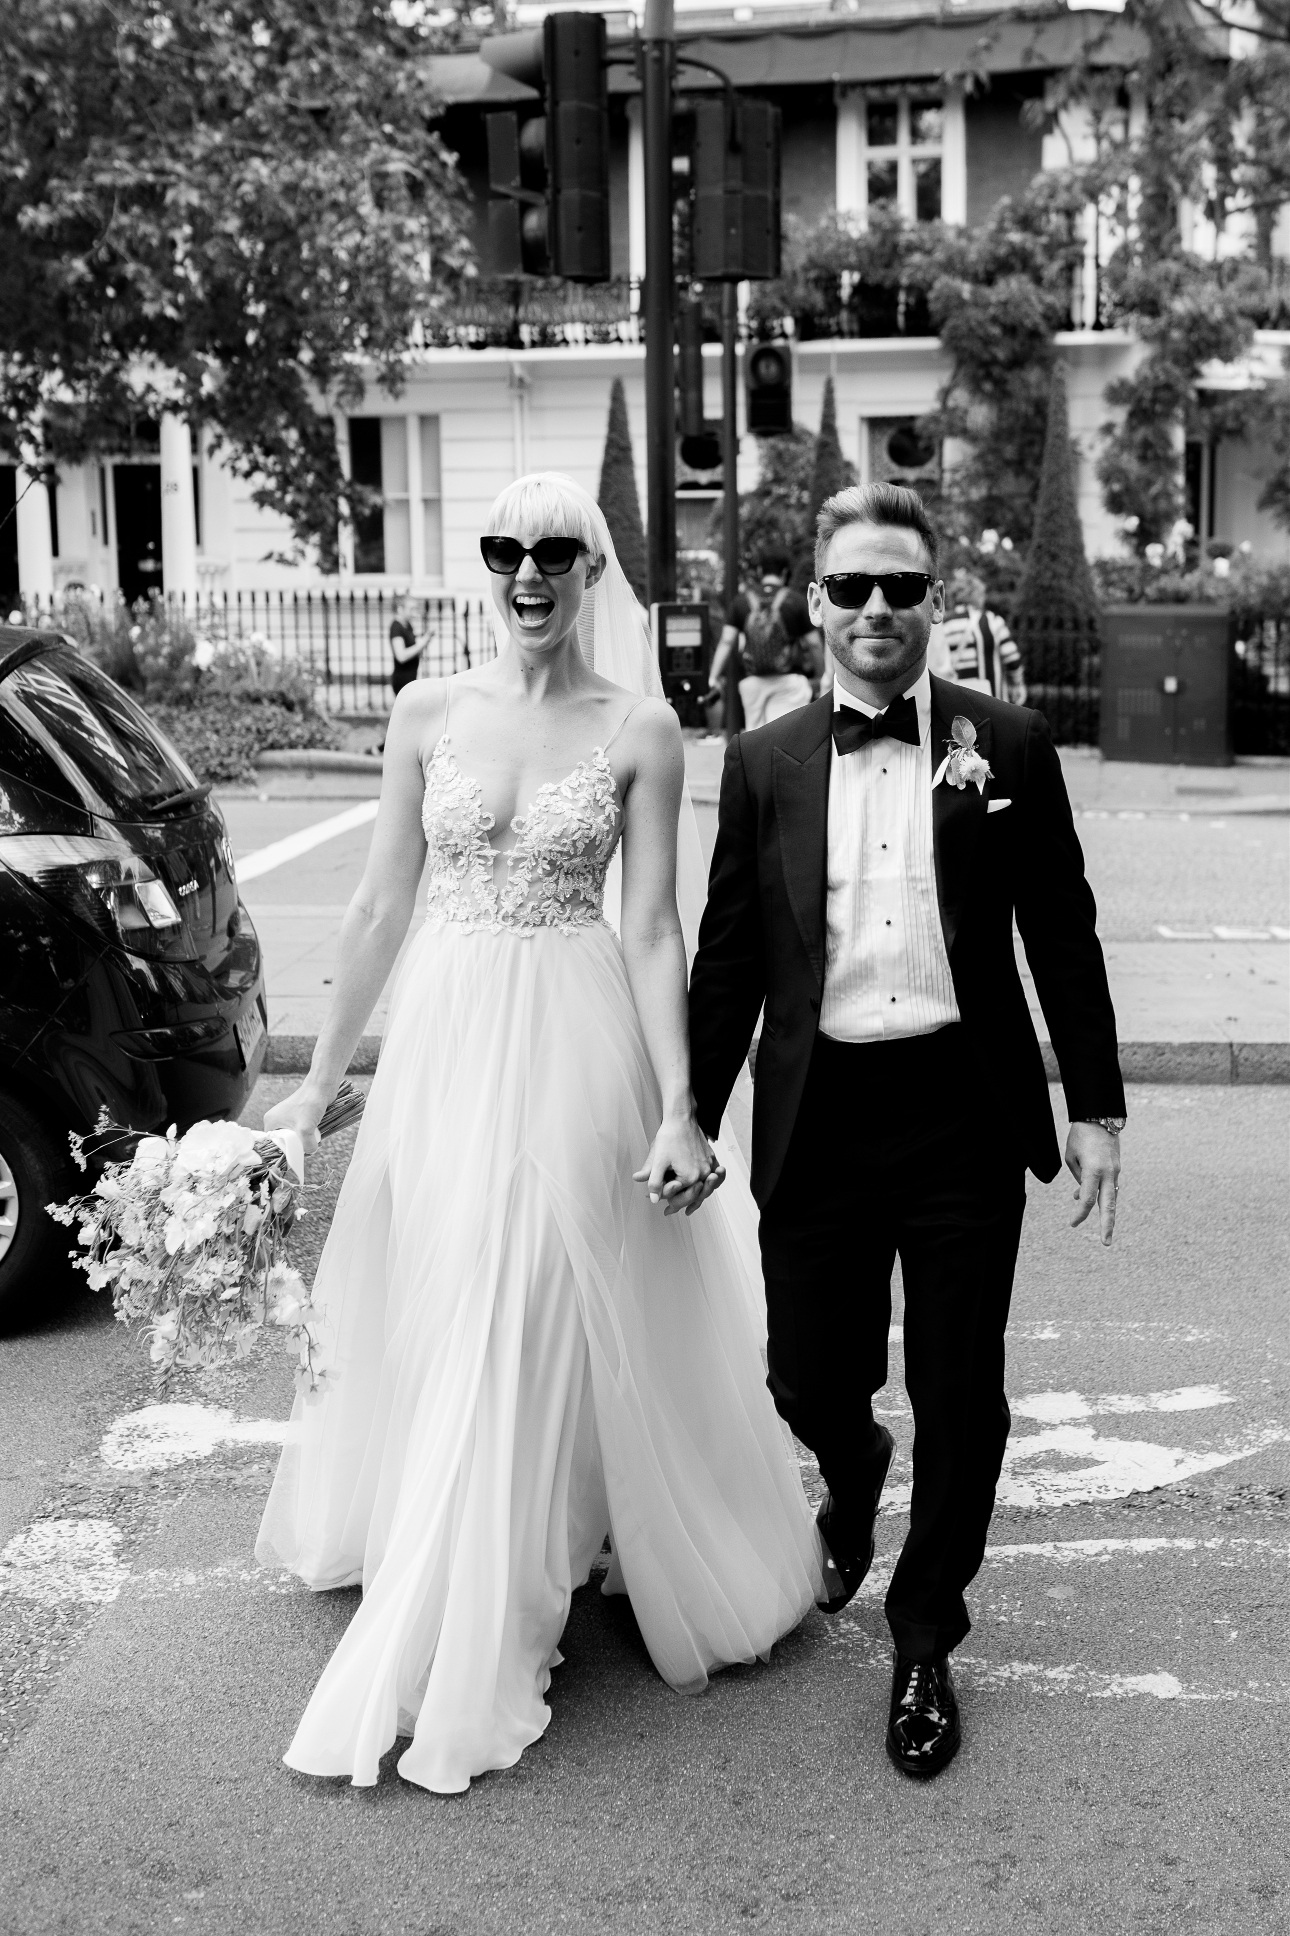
x=963 y=764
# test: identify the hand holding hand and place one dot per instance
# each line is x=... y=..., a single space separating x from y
x=681 y=1169
x=302 y=1111
x=1093 y=1159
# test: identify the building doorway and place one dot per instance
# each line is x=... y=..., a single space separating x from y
x=136 y=492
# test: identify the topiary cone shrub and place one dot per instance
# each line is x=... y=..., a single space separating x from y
x=617 y=496
x=1055 y=612
x=830 y=472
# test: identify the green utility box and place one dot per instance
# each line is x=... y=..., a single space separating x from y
x=1164 y=684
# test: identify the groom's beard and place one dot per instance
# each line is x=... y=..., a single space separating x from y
x=877 y=657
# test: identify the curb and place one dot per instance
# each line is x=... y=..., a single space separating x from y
x=1210 y=1063
x=320 y=759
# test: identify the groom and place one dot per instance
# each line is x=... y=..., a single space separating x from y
x=872 y=852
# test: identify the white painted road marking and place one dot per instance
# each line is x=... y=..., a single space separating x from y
x=56 y=1561
x=159 y=1436
x=265 y=859
x=1223 y=934
x=1062 y=1408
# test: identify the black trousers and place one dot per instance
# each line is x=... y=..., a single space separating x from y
x=894 y=1152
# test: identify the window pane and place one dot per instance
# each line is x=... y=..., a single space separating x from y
x=433 y=536
x=430 y=458
x=927 y=190
x=398 y=536
x=394 y=458
x=926 y=122
x=882 y=124
x=882 y=183
x=84 y=725
x=365 y=451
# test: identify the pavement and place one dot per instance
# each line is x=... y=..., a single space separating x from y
x=1190 y=867
x=1125 y=1691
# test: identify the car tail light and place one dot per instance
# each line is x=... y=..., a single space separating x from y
x=103 y=883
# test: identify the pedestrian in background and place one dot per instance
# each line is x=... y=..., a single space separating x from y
x=982 y=652
x=779 y=652
x=407 y=645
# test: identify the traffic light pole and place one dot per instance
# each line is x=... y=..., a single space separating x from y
x=658 y=59
x=729 y=442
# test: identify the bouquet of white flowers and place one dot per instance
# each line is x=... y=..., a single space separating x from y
x=190 y=1235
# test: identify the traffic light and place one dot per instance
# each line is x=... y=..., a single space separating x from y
x=734 y=177
x=768 y=375
x=550 y=172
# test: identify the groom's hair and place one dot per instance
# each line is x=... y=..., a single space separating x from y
x=874 y=504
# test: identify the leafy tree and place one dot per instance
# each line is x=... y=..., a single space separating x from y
x=996 y=294
x=218 y=206
x=1215 y=136
x=618 y=497
x=775 y=515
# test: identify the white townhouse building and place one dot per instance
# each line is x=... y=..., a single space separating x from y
x=521 y=377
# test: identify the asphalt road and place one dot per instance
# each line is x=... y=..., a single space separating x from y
x=1126 y=1691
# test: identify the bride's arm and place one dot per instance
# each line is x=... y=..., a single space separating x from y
x=376 y=920
x=654 y=953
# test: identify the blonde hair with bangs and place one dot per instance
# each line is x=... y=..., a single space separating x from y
x=541 y=506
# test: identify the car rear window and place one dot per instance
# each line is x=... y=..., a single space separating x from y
x=61 y=715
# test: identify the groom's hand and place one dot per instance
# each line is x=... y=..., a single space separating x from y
x=1093 y=1159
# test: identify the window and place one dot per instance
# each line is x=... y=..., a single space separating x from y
x=431 y=498
x=403 y=535
x=903 y=140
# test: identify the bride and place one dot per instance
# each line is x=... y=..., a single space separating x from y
x=530 y=1349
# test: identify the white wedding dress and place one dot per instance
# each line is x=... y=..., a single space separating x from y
x=527 y=1355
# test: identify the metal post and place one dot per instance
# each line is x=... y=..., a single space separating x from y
x=729 y=441
x=658 y=56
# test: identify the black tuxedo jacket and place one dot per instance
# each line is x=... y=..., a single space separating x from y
x=762 y=938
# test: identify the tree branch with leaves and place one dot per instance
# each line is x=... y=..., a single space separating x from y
x=223 y=207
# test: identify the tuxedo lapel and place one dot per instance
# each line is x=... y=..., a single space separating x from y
x=958 y=814
x=800 y=777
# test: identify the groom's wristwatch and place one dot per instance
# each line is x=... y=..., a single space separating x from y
x=1111 y=1124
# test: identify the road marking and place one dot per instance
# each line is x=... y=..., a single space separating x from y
x=1061 y=1408
x=56 y=1561
x=157 y=1437
x=279 y=852
x=1223 y=934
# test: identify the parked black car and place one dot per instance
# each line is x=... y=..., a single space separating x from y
x=130 y=974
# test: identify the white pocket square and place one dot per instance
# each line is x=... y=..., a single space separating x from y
x=996 y=806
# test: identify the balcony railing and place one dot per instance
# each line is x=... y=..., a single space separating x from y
x=527 y=314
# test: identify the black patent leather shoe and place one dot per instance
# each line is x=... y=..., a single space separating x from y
x=848 y=1552
x=923 y=1732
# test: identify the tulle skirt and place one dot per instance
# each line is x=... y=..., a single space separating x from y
x=526 y=1356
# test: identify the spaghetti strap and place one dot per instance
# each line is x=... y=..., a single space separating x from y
x=447 y=704
x=622 y=722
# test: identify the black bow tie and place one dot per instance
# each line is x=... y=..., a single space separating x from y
x=851 y=729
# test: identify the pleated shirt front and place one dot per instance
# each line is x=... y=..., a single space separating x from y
x=886 y=972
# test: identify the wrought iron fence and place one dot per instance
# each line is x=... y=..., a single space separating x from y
x=342 y=637
x=1259 y=689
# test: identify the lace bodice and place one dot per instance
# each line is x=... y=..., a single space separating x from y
x=555 y=873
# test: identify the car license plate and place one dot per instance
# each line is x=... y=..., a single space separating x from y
x=249 y=1029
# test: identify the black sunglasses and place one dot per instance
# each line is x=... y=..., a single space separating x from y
x=552 y=556
x=851 y=591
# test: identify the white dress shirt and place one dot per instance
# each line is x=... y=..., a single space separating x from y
x=886 y=970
